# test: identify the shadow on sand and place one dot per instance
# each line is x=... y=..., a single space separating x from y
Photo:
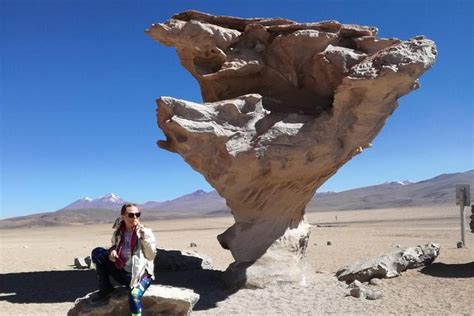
x=46 y=286
x=208 y=284
x=67 y=286
x=443 y=270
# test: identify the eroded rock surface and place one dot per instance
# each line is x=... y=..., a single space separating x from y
x=390 y=265
x=157 y=300
x=287 y=105
x=180 y=260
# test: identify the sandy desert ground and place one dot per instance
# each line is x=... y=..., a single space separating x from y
x=37 y=277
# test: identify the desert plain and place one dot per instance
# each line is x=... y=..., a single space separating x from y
x=37 y=276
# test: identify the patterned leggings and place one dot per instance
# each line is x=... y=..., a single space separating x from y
x=135 y=297
x=106 y=268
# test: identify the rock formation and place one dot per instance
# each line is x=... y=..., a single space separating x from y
x=157 y=300
x=390 y=265
x=287 y=105
x=180 y=260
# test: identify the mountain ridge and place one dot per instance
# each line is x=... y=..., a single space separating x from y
x=439 y=190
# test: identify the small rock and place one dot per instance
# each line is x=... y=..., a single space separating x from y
x=88 y=261
x=375 y=281
x=374 y=295
x=355 y=284
x=193 y=244
x=25 y=246
x=80 y=263
x=398 y=246
x=460 y=244
x=357 y=292
x=329 y=243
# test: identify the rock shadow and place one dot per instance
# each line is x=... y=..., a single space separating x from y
x=443 y=270
x=209 y=284
x=67 y=286
x=46 y=286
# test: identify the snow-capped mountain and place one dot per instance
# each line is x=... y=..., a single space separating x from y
x=109 y=201
x=439 y=190
x=404 y=182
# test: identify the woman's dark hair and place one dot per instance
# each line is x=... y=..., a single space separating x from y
x=125 y=206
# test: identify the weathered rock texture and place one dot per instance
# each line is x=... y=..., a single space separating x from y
x=179 y=260
x=390 y=265
x=289 y=104
x=157 y=300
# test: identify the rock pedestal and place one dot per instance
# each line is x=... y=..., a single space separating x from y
x=287 y=105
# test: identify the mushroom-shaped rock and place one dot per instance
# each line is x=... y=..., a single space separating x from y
x=287 y=105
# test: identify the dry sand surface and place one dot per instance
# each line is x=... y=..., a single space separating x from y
x=37 y=277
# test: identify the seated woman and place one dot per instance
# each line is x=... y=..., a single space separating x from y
x=130 y=259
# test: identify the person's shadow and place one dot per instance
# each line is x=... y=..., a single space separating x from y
x=443 y=270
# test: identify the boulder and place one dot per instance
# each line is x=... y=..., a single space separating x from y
x=157 y=300
x=287 y=105
x=180 y=260
x=389 y=265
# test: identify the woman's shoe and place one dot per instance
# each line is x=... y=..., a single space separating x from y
x=102 y=295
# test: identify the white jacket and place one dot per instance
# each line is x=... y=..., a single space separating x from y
x=143 y=255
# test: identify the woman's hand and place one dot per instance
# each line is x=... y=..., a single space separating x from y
x=141 y=231
x=113 y=255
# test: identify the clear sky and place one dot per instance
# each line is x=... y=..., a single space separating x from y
x=79 y=81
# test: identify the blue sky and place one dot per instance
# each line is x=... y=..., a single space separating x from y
x=79 y=81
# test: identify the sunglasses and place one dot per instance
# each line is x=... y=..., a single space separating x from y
x=132 y=215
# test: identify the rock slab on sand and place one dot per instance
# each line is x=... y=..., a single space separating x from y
x=157 y=300
x=390 y=265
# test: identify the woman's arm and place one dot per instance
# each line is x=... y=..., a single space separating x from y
x=147 y=242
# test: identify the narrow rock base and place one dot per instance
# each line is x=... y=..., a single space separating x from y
x=269 y=270
x=283 y=262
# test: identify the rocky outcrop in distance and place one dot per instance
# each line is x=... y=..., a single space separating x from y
x=287 y=104
x=390 y=265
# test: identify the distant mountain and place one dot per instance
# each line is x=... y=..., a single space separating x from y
x=108 y=202
x=436 y=191
x=199 y=201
